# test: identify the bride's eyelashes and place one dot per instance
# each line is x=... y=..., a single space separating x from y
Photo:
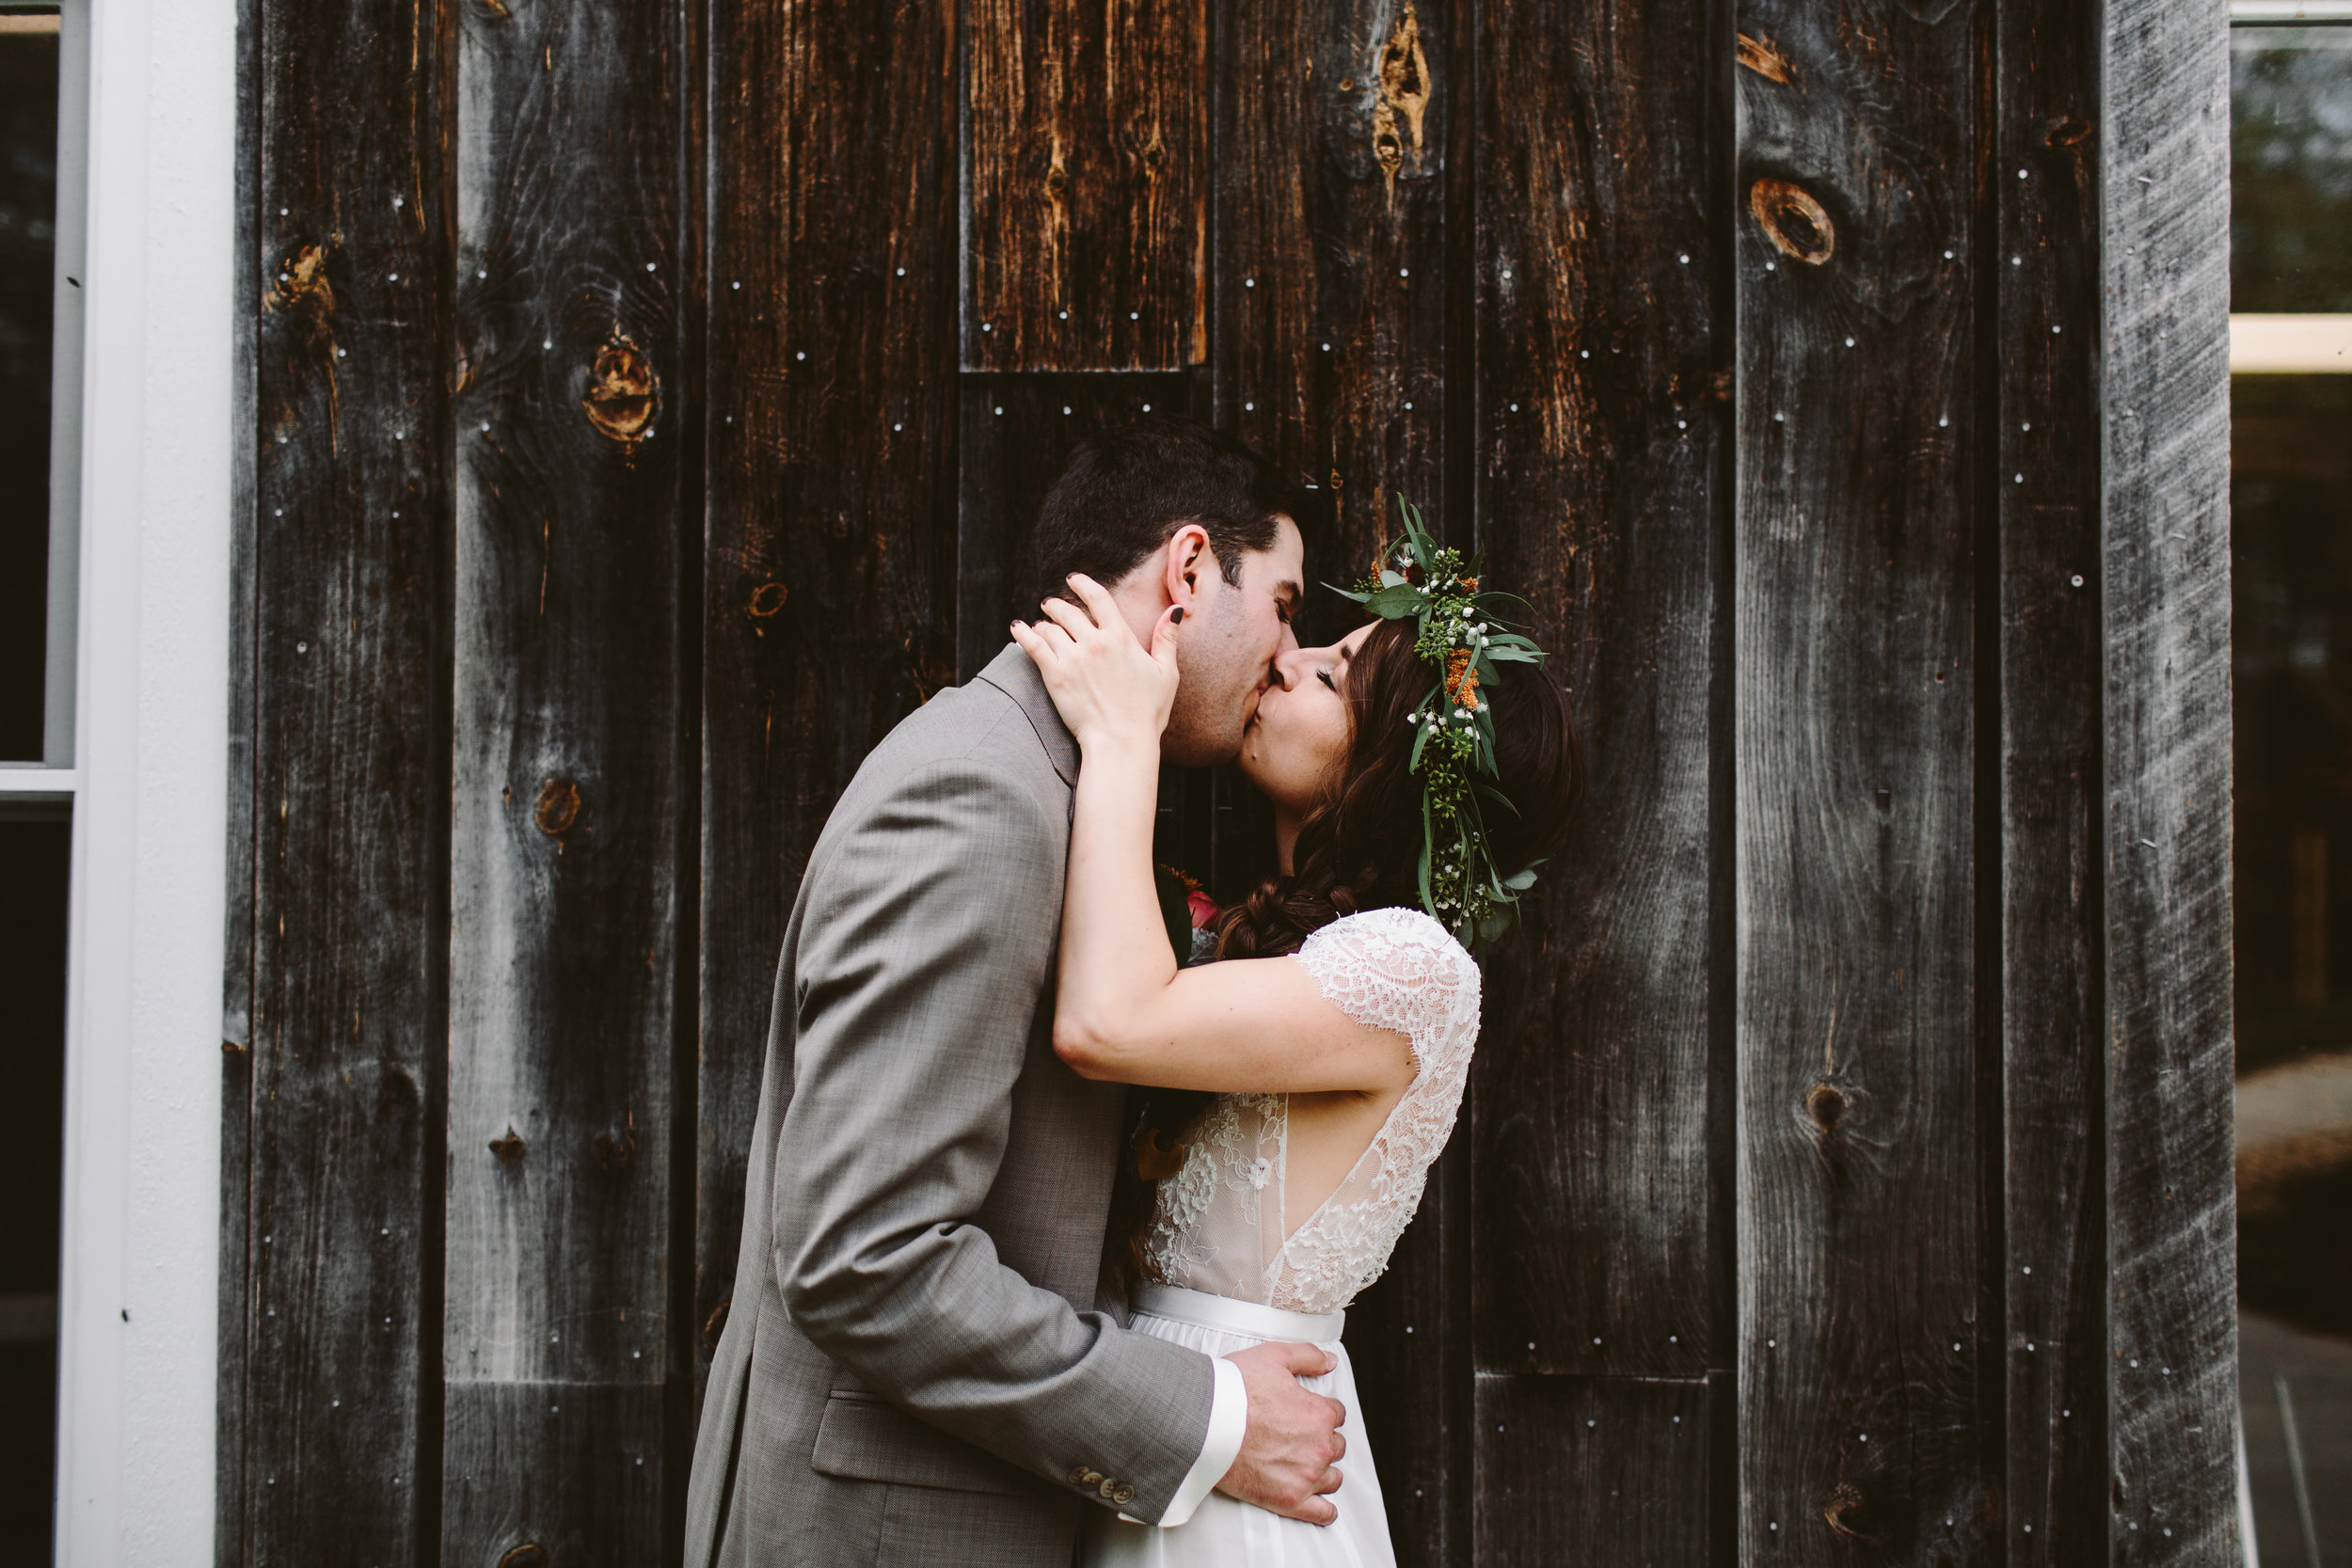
x=1325 y=676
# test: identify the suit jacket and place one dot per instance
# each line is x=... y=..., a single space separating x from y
x=922 y=1362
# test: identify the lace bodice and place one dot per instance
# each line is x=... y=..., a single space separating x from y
x=1216 y=1225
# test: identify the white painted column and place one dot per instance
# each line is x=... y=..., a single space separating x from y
x=137 y=1355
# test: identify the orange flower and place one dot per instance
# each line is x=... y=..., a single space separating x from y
x=1461 y=680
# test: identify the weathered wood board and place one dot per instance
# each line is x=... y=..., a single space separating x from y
x=828 y=560
x=1576 y=1469
x=568 y=780
x=2164 y=602
x=2044 y=1178
x=350 y=756
x=1085 y=174
x=1333 y=268
x=1855 y=678
x=1598 y=435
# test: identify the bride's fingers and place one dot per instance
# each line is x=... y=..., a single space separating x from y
x=1069 y=617
x=1030 y=643
x=1096 y=599
x=1044 y=643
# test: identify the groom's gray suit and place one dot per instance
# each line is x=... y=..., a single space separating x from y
x=921 y=1364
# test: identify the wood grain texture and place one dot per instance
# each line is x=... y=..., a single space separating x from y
x=1572 y=1470
x=1333 y=262
x=2163 y=585
x=1857 y=1175
x=1086 y=178
x=350 y=723
x=2041 y=784
x=566 y=779
x=1596 y=466
x=830 y=553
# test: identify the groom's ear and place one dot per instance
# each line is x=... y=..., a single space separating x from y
x=1186 y=559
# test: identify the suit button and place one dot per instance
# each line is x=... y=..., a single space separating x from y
x=1081 y=1476
x=1125 y=1496
x=1107 y=1489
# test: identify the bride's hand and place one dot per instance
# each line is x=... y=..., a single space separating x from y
x=1109 y=687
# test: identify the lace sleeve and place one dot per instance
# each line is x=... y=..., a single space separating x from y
x=1399 y=969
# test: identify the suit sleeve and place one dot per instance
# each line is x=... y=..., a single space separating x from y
x=923 y=955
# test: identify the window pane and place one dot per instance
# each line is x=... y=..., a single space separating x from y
x=28 y=209
x=2291 y=561
x=34 y=858
x=2291 y=168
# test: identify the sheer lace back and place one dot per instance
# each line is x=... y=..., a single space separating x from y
x=1216 y=1225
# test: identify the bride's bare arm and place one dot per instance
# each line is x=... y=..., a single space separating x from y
x=1123 y=1011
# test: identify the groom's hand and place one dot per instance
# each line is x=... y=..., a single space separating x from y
x=1293 y=1442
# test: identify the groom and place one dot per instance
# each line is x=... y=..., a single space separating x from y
x=923 y=1363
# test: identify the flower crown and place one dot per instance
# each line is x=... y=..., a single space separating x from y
x=1454 y=749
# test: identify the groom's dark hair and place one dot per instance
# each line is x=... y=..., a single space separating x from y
x=1127 y=491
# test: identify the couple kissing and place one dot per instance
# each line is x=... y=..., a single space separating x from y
x=946 y=1343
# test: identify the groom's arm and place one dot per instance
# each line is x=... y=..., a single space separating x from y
x=922 y=957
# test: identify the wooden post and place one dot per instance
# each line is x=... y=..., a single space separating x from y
x=2163 y=587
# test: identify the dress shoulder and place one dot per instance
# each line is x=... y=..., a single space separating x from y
x=1396 y=968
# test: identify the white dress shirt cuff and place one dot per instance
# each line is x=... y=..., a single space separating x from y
x=1229 y=1421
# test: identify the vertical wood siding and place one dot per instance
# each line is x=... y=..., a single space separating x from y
x=2163 y=585
x=568 y=399
x=1859 y=1241
x=650 y=405
x=351 y=522
x=2044 y=1178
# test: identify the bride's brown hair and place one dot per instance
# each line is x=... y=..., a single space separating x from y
x=1360 y=849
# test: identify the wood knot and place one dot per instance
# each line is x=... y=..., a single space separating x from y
x=302 y=282
x=2068 y=132
x=716 y=1323
x=1762 y=58
x=1844 y=1512
x=1056 y=179
x=508 y=1148
x=529 y=1555
x=613 y=1147
x=1827 y=1105
x=768 y=598
x=558 y=808
x=1793 y=221
x=1403 y=101
x=624 y=393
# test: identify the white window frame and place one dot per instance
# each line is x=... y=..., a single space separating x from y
x=140 y=751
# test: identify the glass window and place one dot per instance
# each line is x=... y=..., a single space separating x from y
x=28 y=253
x=2291 y=547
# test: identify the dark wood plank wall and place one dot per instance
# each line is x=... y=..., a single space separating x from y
x=2040 y=609
x=1861 y=1427
x=350 y=214
x=1596 y=430
x=830 y=556
x=571 y=394
x=1798 y=1214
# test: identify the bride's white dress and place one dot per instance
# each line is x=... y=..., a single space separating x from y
x=1224 y=1274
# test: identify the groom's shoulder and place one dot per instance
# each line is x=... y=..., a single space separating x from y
x=977 y=725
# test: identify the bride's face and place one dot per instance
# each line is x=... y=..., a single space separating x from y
x=1299 y=732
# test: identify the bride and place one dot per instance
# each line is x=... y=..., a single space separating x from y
x=1418 y=769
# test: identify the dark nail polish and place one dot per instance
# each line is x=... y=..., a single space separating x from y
x=1178 y=619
